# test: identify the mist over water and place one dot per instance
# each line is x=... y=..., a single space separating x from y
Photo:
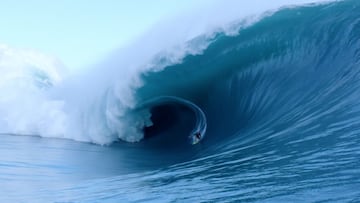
x=274 y=83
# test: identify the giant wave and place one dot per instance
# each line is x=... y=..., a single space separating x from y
x=277 y=93
x=101 y=105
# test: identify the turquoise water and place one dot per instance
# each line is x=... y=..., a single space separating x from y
x=281 y=98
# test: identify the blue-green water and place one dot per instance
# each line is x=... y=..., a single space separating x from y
x=282 y=103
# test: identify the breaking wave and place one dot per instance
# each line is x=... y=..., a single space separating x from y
x=274 y=63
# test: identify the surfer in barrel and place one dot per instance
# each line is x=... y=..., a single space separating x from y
x=198 y=135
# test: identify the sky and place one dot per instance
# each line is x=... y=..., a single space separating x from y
x=81 y=32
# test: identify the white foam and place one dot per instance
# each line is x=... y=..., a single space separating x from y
x=24 y=107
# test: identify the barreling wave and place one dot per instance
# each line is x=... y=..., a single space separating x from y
x=229 y=74
x=279 y=99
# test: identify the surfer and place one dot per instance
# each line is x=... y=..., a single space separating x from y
x=198 y=135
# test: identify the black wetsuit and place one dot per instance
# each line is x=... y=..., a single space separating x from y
x=198 y=136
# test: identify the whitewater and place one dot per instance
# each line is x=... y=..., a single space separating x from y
x=270 y=88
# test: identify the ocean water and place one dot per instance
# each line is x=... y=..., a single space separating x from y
x=275 y=97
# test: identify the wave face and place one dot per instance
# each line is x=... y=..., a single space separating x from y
x=279 y=99
x=286 y=76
